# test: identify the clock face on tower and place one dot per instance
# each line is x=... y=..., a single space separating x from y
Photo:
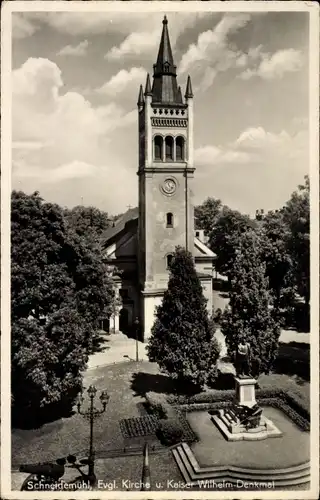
x=169 y=186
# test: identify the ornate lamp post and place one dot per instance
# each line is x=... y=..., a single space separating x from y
x=91 y=414
x=137 y=331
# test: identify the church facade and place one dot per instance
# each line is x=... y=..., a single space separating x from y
x=141 y=243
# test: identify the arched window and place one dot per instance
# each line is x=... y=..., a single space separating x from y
x=180 y=149
x=169 y=148
x=169 y=260
x=158 y=141
x=169 y=219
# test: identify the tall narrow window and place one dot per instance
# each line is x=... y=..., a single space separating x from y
x=179 y=149
x=169 y=219
x=158 y=147
x=169 y=260
x=169 y=148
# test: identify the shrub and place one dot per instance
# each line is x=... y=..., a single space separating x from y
x=158 y=405
x=170 y=432
x=212 y=376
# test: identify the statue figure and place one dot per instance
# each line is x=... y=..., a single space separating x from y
x=243 y=358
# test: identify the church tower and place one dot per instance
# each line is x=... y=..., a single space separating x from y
x=166 y=167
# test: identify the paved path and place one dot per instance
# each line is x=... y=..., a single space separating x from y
x=118 y=348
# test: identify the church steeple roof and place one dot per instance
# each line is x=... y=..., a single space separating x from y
x=189 y=93
x=148 y=86
x=165 y=52
x=165 y=88
x=140 y=98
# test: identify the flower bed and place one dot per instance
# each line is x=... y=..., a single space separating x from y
x=139 y=426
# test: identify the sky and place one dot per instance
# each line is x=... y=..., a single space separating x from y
x=75 y=81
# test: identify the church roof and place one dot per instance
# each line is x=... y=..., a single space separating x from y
x=120 y=224
x=165 y=87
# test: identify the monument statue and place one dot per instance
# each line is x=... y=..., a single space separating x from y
x=243 y=368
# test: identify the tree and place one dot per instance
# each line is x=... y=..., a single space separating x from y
x=250 y=313
x=207 y=214
x=274 y=233
x=59 y=288
x=88 y=221
x=296 y=214
x=225 y=237
x=182 y=341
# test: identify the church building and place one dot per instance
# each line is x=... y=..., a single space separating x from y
x=141 y=243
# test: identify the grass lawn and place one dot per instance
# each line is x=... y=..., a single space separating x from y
x=127 y=384
x=213 y=449
x=70 y=435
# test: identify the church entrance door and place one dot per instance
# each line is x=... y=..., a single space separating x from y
x=124 y=320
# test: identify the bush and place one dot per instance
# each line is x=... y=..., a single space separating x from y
x=212 y=376
x=158 y=405
x=170 y=432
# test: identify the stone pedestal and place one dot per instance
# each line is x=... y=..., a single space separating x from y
x=245 y=391
x=233 y=425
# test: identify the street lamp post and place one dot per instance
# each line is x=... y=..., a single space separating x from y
x=137 y=325
x=91 y=414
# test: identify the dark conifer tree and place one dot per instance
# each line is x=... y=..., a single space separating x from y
x=182 y=341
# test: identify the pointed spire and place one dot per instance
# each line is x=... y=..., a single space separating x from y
x=140 y=98
x=180 y=100
x=165 y=88
x=165 y=52
x=189 y=93
x=148 y=86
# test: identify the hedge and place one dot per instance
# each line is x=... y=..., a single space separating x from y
x=292 y=400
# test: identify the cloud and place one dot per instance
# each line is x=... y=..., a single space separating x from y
x=259 y=169
x=212 y=52
x=59 y=137
x=74 y=50
x=134 y=44
x=273 y=66
x=73 y=170
x=22 y=27
x=142 y=42
x=122 y=80
x=255 y=145
x=257 y=138
x=211 y=155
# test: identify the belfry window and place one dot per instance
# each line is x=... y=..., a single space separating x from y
x=158 y=141
x=169 y=219
x=179 y=149
x=169 y=148
x=169 y=260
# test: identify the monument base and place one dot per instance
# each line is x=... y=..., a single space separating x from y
x=233 y=430
x=244 y=421
x=245 y=391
